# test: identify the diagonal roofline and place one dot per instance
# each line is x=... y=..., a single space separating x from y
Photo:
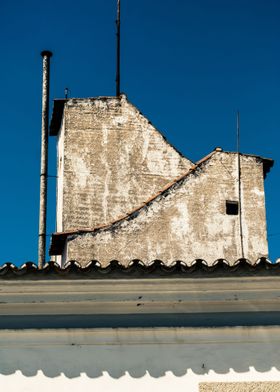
x=59 y=238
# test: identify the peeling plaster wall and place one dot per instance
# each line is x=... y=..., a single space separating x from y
x=189 y=220
x=113 y=160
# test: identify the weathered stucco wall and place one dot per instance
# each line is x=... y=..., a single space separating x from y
x=239 y=387
x=111 y=160
x=189 y=220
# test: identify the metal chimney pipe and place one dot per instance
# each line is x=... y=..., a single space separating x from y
x=46 y=55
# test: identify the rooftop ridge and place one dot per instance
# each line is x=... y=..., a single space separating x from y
x=137 y=269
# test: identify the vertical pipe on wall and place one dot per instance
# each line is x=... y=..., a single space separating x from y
x=46 y=55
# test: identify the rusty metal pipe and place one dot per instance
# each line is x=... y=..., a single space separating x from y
x=46 y=55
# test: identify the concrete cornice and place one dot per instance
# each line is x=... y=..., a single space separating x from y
x=139 y=296
x=137 y=336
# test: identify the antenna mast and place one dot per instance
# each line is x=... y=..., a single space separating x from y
x=118 y=23
x=239 y=184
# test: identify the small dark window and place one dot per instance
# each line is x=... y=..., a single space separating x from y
x=231 y=207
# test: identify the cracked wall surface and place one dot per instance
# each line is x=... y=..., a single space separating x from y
x=110 y=160
x=189 y=220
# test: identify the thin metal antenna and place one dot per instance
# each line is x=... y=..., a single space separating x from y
x=239 y=181
x=46 y=55
x=118 y=23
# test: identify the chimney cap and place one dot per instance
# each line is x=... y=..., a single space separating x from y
x=47 y=53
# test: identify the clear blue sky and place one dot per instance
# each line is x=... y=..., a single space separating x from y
x=188 y=65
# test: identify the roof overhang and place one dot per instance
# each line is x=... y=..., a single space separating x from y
x=57 y=243
x=267 y=165
x=58 y=108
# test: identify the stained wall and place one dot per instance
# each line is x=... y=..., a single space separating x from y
x=189 y=220
x=111 y=159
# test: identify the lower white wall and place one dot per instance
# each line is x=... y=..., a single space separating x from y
x=155 y=359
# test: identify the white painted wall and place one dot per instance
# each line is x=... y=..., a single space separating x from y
x=150 y=360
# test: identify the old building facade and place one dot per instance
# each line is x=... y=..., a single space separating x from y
x=125 y=193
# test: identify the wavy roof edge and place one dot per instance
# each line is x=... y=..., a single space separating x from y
x=139 y=269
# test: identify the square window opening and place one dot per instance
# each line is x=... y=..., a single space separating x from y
x=232 y=207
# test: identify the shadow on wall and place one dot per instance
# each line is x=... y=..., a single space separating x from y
x=137 y=360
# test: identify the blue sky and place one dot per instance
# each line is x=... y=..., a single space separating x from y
x=188 y=65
